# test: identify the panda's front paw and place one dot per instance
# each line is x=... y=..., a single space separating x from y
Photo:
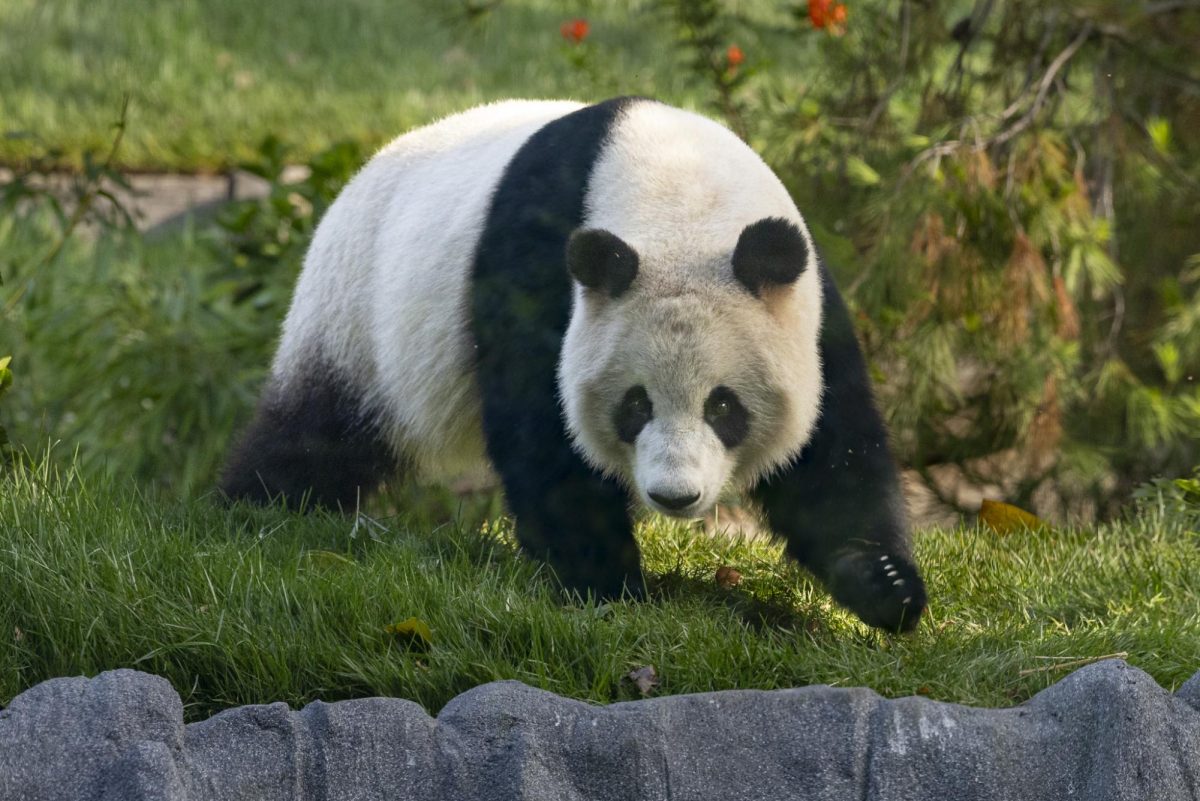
x=883 y=589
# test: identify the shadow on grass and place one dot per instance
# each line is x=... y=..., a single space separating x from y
x=774 y=612
x=467 y=526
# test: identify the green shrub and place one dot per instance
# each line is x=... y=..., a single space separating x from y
x=1008 y=193
x=261 y=242
x=143 y=357
x=1171 y=500
x=6 y=379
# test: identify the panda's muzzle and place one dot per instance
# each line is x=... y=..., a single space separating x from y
x=674 y=503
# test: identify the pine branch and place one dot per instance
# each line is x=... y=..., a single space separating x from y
x=946 y=148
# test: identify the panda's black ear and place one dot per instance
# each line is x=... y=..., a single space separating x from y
x=770 y=252
x=601 y=261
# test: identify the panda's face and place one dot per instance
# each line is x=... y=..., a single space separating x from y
x=682 y=389
x=677 y=400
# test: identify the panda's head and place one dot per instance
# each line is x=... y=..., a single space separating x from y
x=684 y=374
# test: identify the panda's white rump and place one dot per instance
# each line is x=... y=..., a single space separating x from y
x=384 y=287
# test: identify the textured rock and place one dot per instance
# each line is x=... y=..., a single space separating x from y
x=1105 y=732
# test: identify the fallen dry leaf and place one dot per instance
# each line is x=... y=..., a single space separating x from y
x=644 y=678
x=1004 y=518
x=414 y=631
x=728 y=577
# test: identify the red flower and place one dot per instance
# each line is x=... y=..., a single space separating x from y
x=574 y=30
x=825 y=14
x=818 y=12
x=734 y=56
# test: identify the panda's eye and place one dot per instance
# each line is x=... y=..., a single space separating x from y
x=724 y=412
x=634 y=411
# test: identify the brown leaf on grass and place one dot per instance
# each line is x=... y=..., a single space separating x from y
x=644 y=678
x=413 y=631
x=728 y=577
x=1004 y=518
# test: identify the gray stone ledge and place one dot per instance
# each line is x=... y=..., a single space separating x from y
x=1106 y=731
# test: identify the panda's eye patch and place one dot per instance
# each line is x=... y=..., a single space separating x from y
x=634 y=411
x=727 y=416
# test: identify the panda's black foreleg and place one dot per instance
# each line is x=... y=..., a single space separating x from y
x=308 y=445
x=566 y=514
x=520 y=307
x=838 y=505
x=583 y=531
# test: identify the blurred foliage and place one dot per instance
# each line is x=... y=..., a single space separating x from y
x=262 y=241
x=1175 y=501
x=6 y=379
x=1008 y=192
x=36 y=189
x=143 y=356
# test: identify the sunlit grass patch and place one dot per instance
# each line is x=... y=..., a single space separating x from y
x=251 y=605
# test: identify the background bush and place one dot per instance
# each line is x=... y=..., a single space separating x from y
x=1007 y=191
x=142 y=357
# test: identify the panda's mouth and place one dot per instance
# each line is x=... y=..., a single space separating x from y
x=681 y=506
x=692 y=514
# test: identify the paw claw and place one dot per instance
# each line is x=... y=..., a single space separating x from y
x=884 y=591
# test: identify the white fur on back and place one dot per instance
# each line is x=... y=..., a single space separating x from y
x=384 y=292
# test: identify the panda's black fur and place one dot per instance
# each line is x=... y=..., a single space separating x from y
x=520 y=305
x=837 y=503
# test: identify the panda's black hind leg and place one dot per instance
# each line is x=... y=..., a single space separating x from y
x=310 y=445
x=838 y=504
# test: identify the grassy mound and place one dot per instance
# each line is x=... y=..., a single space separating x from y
x=258 y=605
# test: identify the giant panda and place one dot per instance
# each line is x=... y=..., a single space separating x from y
x=605 y=304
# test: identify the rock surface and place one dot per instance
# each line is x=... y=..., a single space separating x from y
x=1105 y=732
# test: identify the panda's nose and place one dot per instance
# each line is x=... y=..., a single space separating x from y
x=674 y=502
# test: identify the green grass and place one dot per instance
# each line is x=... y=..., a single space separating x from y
x=208 y=79
x=133 y=355
x=250 y=605
x=125 y=351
